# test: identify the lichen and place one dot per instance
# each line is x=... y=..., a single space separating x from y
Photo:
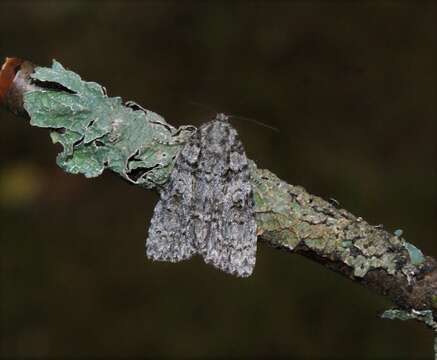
x=424 y=316
x=99 y=132
x=415 y=254
x=287 y=215
x=273 y=206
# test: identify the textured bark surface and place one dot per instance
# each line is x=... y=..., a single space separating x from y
x=317 y=229
x=290 y=218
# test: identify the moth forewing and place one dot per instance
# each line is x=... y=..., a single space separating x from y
x=207 y=205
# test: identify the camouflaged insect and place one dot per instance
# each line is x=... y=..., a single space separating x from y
x=207 y=206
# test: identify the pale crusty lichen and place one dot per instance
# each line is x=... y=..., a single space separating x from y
x=424 y=316
x=273 y=205
x=287 y=216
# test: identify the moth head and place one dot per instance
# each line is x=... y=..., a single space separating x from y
x=222 y=117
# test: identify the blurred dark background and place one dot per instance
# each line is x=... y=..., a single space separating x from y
x=352 y=87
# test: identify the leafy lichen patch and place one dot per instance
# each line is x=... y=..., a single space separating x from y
x=99 y=132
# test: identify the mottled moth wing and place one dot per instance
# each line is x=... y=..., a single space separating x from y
x=224 y=218
x=207 y=206
x=171 y=232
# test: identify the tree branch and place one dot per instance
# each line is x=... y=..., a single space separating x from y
x=287 y=216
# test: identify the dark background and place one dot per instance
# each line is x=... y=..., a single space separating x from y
x=352 y=87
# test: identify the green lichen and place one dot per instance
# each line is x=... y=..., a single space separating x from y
x=424 y=316
x=415 y=254
x=98 y=132
x=273 y=206
x=287 y=215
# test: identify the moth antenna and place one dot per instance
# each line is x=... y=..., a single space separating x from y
x=210 y=108
x=256 y=122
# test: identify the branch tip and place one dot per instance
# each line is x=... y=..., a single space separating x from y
x=14 y=82
x=7 y=74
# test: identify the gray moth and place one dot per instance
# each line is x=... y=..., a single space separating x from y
x=207 y=207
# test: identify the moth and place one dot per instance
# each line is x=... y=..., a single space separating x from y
x=207 y=207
